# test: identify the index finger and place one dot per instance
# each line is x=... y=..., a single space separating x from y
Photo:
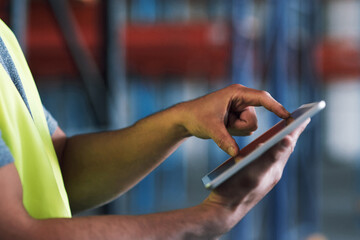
x=253 y=97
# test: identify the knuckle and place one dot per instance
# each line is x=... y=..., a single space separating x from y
x=253 y=122
x=265 y=94
x=247 y=133
x=289 y=142
x=237 y=86
x=254 y=126
x=249 y=129
x=277 y=176
x=273 y=156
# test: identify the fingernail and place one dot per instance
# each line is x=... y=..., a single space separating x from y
x=231 y=151
x=287 y=112
x=238 y=159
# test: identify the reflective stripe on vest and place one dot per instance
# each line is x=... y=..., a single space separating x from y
x=29 y=140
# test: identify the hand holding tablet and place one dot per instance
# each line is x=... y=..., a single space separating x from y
x=260 y=145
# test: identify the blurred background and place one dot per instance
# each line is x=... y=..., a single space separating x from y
x=102 y=65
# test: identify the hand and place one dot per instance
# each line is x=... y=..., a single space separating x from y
x=227 y=112
x=244 y=190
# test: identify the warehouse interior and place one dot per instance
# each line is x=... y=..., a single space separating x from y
x=102 y=65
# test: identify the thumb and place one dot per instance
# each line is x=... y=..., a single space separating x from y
x=224 y=140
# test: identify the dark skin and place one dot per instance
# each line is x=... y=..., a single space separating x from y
x=217 y=115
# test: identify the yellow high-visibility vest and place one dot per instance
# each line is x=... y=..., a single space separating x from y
x=29 y=140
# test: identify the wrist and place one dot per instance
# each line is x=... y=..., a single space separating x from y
x=220 y=219
x=179 y=114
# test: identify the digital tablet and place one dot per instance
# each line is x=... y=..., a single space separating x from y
x=261 y=144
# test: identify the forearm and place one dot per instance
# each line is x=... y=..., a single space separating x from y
x=200 y=222
x=98 y=167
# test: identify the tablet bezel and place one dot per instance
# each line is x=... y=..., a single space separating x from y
x=222 y=177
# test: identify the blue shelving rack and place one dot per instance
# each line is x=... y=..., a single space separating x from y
x=242 y=72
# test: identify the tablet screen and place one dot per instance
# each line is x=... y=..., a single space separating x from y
x=270 y=137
